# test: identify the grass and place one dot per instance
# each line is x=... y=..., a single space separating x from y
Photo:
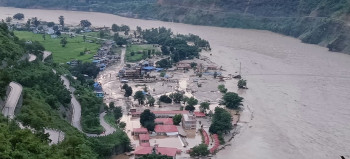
x=138 y=49
x=62 y=54
x=109 y=118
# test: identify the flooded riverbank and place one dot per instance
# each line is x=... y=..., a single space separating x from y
x=298 y=93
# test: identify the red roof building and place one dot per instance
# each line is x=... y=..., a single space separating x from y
x=164 y=121
x=162 y=114
x=199 y=114
x=137 y=131
x=166 y=130
x=144 y=150
x=144 y=140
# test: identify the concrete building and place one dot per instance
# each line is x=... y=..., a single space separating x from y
x=138 y=131
x=189 y=121
x=145 y=150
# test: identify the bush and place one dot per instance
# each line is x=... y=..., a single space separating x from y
x=165 y=99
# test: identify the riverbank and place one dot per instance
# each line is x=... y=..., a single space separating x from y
x=298 y=93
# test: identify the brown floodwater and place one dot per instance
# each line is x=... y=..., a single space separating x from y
x=299 y=94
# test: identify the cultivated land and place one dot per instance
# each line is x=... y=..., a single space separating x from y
x=61 y=54
x=138 y=50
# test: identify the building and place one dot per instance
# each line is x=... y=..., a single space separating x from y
x=183 y=66
x=138 y=131
x=144 y=140
x=145 y=150
x=199 y=114
x=168 y=114
x=169 y=130
x=189 y=121
x=135 y=114
x=164 y=121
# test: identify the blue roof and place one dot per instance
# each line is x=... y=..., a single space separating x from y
x=159 y=69
x=95 y=61
x=148 y=68
x=96 y=84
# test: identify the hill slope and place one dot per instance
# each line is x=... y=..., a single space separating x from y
x=323 y=22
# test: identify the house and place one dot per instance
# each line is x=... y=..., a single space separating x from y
x=212 y=67
x=168 y=114
x=199 y=114
x=50 y=31
x=164 y=121
x=169 y=130
x=135 y=114
x=145 y=150
x=189 y=121
x=144 y=140
x=138 y=131
x=183 y=66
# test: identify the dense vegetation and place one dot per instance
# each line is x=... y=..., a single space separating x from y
x=323 y=22
x=45 y=105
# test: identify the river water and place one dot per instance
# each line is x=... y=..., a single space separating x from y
x=299 y=93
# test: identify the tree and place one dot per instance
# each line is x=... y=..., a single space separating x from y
x=8 y=19
x=85 y=23
x=177 y=119
x=128 y=92
x=115 y=28
x=215 y=74
x=232 y=100
x=147 y=119
x=122 y=125
x=221 y=121
x=151 y=101
x=176 y=97
x=204 y=106
x=165 y=99
x=111 y=105
x=164 y=63
x=61 y=20
x=50 y=24
x=118 y=113
x=44 y=36
x=222 y=88
x=139 y=96
x=125 y=86
x=84 y=38
x=101 y=34
x=18 y=16
x=35 y=21
x=155 y=156
x=242 y=84
x=191 y=103
x=199 y=150
x=64 y=42
x=139 y=29
x=165 y=50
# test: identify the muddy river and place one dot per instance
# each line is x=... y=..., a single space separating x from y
x=299 y=94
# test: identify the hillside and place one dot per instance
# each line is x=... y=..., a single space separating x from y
x=322 y=22
x=46 y=104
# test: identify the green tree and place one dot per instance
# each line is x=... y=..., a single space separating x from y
x=8 y=19
x=242 y=84
x=151 y=101
x=111 y=105
x=215 y=74
x=221 y=121
x=155 y=156
x=18 y=16
x=177 y=119
x=64 y=42
x=139 y=96
x=50 y=24
x=165 y=99
x=61 y=20
x=191 y=103
x=204 y=106
x=122 y=125
x=85 y=23
x=125 y=86
x=118 y=113
x=147 y=119
x=176 y=97
x=199 y=150
x=35 y=21
x=128 y=92
x=222 y=88
x=84 y=38
x=232 y=100
x=115 y=28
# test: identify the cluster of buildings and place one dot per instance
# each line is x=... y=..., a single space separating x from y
x=138 y=70
x=164 y=127
x=105 y=55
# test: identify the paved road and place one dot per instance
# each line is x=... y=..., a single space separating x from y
x=12 y=100
x=31 y=57
x=108 y=129
x=46 y=54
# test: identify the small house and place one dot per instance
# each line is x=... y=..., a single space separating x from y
x=138 y=131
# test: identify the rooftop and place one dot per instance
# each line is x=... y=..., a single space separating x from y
x=143 y=137
x=199 y=114
x=144 y=150
x=165 y=121
x=189 y=117
x=140 y=130
x=165 y=128
x=170 y=112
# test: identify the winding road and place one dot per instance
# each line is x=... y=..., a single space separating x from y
x=12 y=100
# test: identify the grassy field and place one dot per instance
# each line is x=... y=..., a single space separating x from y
x=62 y=54
x=109 y=118
x=138 y=49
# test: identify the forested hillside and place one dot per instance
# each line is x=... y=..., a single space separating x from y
x=323 y=22
x=46 y=104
